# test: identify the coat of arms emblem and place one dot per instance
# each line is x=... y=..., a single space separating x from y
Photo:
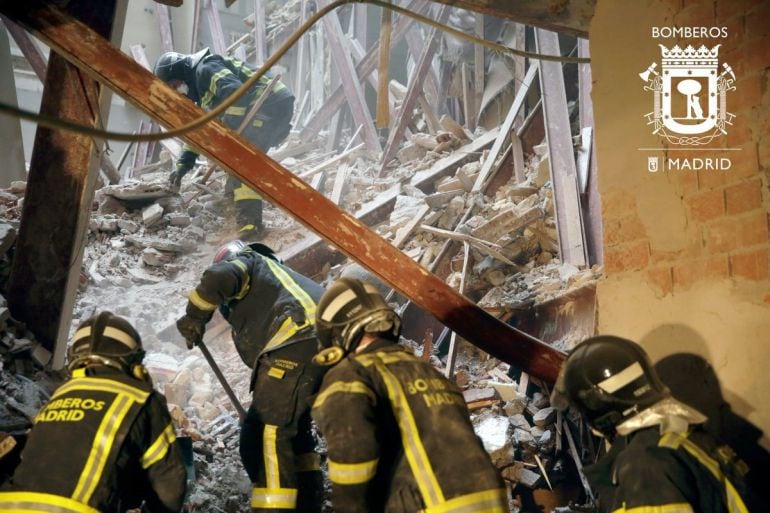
x=689 y=95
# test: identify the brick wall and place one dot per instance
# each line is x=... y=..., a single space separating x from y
x=726 y=212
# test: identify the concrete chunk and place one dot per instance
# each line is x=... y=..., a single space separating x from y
x=544 y=417
x=152 y=214
x=473 y=395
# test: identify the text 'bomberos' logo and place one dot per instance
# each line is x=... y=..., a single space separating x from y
x=689 y=95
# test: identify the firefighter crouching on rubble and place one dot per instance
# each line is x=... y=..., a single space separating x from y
x=105 y=441
x=661 y=459
x=271 y=310
x=398 y=432
x=208 y=79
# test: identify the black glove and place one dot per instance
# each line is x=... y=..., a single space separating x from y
x=175 y=177
x=191 y=329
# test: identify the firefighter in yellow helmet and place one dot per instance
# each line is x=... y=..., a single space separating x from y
x=398 y=432
x=661 y=459
x=105 y=441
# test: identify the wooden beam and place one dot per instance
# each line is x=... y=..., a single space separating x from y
x=352 y=87
x=164 y=24
x=572 y=17
x=60 y=186
x=413 y=91
x=260 y=52
x=505 y=129
x=339 y=183
x=215 y=26
x=592 y=206
x=416 y=43
x=366 y=66
x=569 y=216
x=29 y=49
x=196 y=25
x=479 y=67
x=301 y=81
x=383 y=102
x=451 y=357
x=100 y=59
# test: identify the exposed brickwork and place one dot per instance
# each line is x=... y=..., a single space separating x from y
x=744 y=197
x=726 y=211
x=752 y=265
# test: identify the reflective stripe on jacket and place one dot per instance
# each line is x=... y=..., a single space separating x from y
x=103 y=441
x=266 y=303
x=672 y=473
x=393 y=425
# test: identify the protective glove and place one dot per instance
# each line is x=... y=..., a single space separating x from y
x=191 y=329
x=175 y=177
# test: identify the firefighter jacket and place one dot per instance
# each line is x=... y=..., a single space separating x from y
x=105 y=442
x=399 y=438
x=218 y=77
x=267 y=304
x=674 y=472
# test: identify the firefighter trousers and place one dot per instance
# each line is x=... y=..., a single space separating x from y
x=277 y=443
x=269 y=128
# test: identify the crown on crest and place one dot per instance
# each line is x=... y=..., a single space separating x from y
x=690 y=55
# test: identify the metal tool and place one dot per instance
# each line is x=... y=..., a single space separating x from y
x=221 y=377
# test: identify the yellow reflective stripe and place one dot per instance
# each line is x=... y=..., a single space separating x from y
x=36 y=502
x=294 y=289
x=271 y=457
x=257 y=123
x=245 y=193
x=352 y=473
x=346 y=387
x=277 y=373
x=159 y=447
x=308 y=462
x=235 y=111
x=491 y=501
x=387 y=358
x=285 y=332
x=209 y=96
x=674 y=507
x=274 y=498
x=100 y=450
x=245 y=276
x=201 y=303
x=410 y=436
x=101 y=385
x=735 y=503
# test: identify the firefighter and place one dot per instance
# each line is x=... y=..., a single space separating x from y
x=398 y=432
x=105 y=441
x=271 y=310
x=661 y=459
x=207 y=79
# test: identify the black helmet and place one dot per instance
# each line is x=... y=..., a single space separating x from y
x=106 y=339
x=235 y=247
x=348 y=309
x=608 y=379
x=178 y=66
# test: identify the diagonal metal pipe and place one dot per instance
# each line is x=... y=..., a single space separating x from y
x=96 y=56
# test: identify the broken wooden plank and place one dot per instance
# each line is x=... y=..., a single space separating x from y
x=37 y=61
x=505 y=129
x=352 y=87
x=76 y=41
x=569 y=216
x=403 y=233
x=415 y=86
x=164 y=25
x=260 y=52
x=479 y=68
x=195 y=25
x=215 y=26
x=300 y=80
x=330 y=162
x=468 y=98
x=318 y=180
x=383 y=102
x=584 y=158
x=449 y=370
x=485 y=247
x=368 y=64
x=506 y=222
x=339 y=183
x=416 y=42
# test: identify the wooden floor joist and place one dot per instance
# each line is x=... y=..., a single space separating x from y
x=92 y=53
